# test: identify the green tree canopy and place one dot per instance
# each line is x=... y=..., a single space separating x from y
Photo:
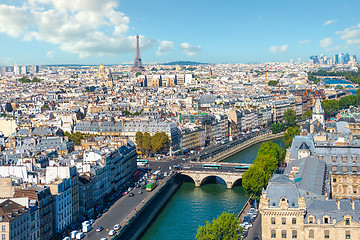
x=277 y=127
x=289 y=135
x=254 y=179
x=225 y=227
x=290 y=117
x=272 y=83
x=146 y=143
x=308 y=114
x=139 y=140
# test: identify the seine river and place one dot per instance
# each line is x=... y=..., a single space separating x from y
x=190 y=207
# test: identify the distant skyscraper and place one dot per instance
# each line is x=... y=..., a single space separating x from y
x=354 y=57
x=336 y=59
x=34 y=69
x=341 y=58
x=16 y=69
x=23 y=70
x=137 y=62
x=299 y=60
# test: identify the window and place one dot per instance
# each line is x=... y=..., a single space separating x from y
x=326 y=220
x=3 y=236
x=273 y=221
x=334 y=158
x=3 y=228
x=283 y=233
x=283 y=221
x=344 y=179
x=294 y=234
x=311 y=220
x=347 y=235
x=334 y=179
x=354 y=169
x=273 y=233
x=347 y=221
x=326 y=234
x=311 y=233
x=293 y=221
x=344 y=159
x=344 y=168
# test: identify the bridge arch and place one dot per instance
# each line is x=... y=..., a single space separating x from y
x=205 y=178
x=237 y=182
x=199 y=178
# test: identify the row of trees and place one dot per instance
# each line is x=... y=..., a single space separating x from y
x=26 y=80
x=331 y=107
x=75 y=137
x=269 y=157
x=146 y=143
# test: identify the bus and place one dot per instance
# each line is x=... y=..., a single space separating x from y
x=239 y=168
x=141 y=162
x=211 y=166
x=150 y=185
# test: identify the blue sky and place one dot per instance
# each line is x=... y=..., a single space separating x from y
x=230 y=31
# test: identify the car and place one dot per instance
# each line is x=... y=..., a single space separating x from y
x=103 y=238
x=131 y=194
x=117 y=227
x=140 y=192
x=99 y=228
x=112 y=232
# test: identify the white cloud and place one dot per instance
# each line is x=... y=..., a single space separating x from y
x=351 y=35
x=279 y=49
x=328 y=22
x=189 y=49
x=14 y=21
x=326 y=42
x=50 y=54
x=165 y=47
x=302 y=42
x=84 y=27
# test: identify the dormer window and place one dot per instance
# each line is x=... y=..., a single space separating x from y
x=326 y=220
x=347 y=221
x=311 y=220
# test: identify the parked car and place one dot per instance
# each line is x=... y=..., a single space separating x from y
x=99 y=228
x=112 y=232
x=140 y=192
x=131 y=194
x=117 y=227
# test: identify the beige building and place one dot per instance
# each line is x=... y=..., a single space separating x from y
x=285 y=214
x=8 y=126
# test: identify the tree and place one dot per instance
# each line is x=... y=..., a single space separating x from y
x=289 y=135
x=277 y=127
x=139 y=140
x=225 y=227
x=137 y=74
x=269 y=148
x=272 y=83
x=268 y=163
x=146 y=143
x=307 y=114
x=290 y=117
x=159 y=141
x=254 y=180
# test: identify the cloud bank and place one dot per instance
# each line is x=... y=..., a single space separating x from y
x=279 y=49
x=165 y=48
x=189 y=49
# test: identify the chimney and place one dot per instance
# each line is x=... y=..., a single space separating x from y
x=352 y=202
x=338 y=203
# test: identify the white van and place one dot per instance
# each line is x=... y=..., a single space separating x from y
x=80 y=235
x=73 y=234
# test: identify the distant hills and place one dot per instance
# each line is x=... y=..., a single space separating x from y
x=183 y=63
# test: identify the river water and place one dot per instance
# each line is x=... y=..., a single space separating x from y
x=190 y=207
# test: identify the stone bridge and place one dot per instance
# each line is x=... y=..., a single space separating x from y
x=200 y=175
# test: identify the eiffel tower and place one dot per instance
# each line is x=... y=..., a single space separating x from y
x=137 y=62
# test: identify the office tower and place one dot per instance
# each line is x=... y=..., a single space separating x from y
x=137 y=62
x=341 y=58
x=336 y=59
x=16 y=69
x=23 y=70
x=34 y=69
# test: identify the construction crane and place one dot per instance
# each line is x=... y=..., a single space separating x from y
x=266 y=87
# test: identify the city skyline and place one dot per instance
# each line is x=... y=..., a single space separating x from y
x=56 y=32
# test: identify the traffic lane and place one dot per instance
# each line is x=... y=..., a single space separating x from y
x=116 y=214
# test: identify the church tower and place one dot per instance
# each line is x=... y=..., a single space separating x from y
x=318 y=112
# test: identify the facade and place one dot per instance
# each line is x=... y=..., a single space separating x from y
x=63 y=208
x=14 y=221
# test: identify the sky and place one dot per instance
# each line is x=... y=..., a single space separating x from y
x=211 y=31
